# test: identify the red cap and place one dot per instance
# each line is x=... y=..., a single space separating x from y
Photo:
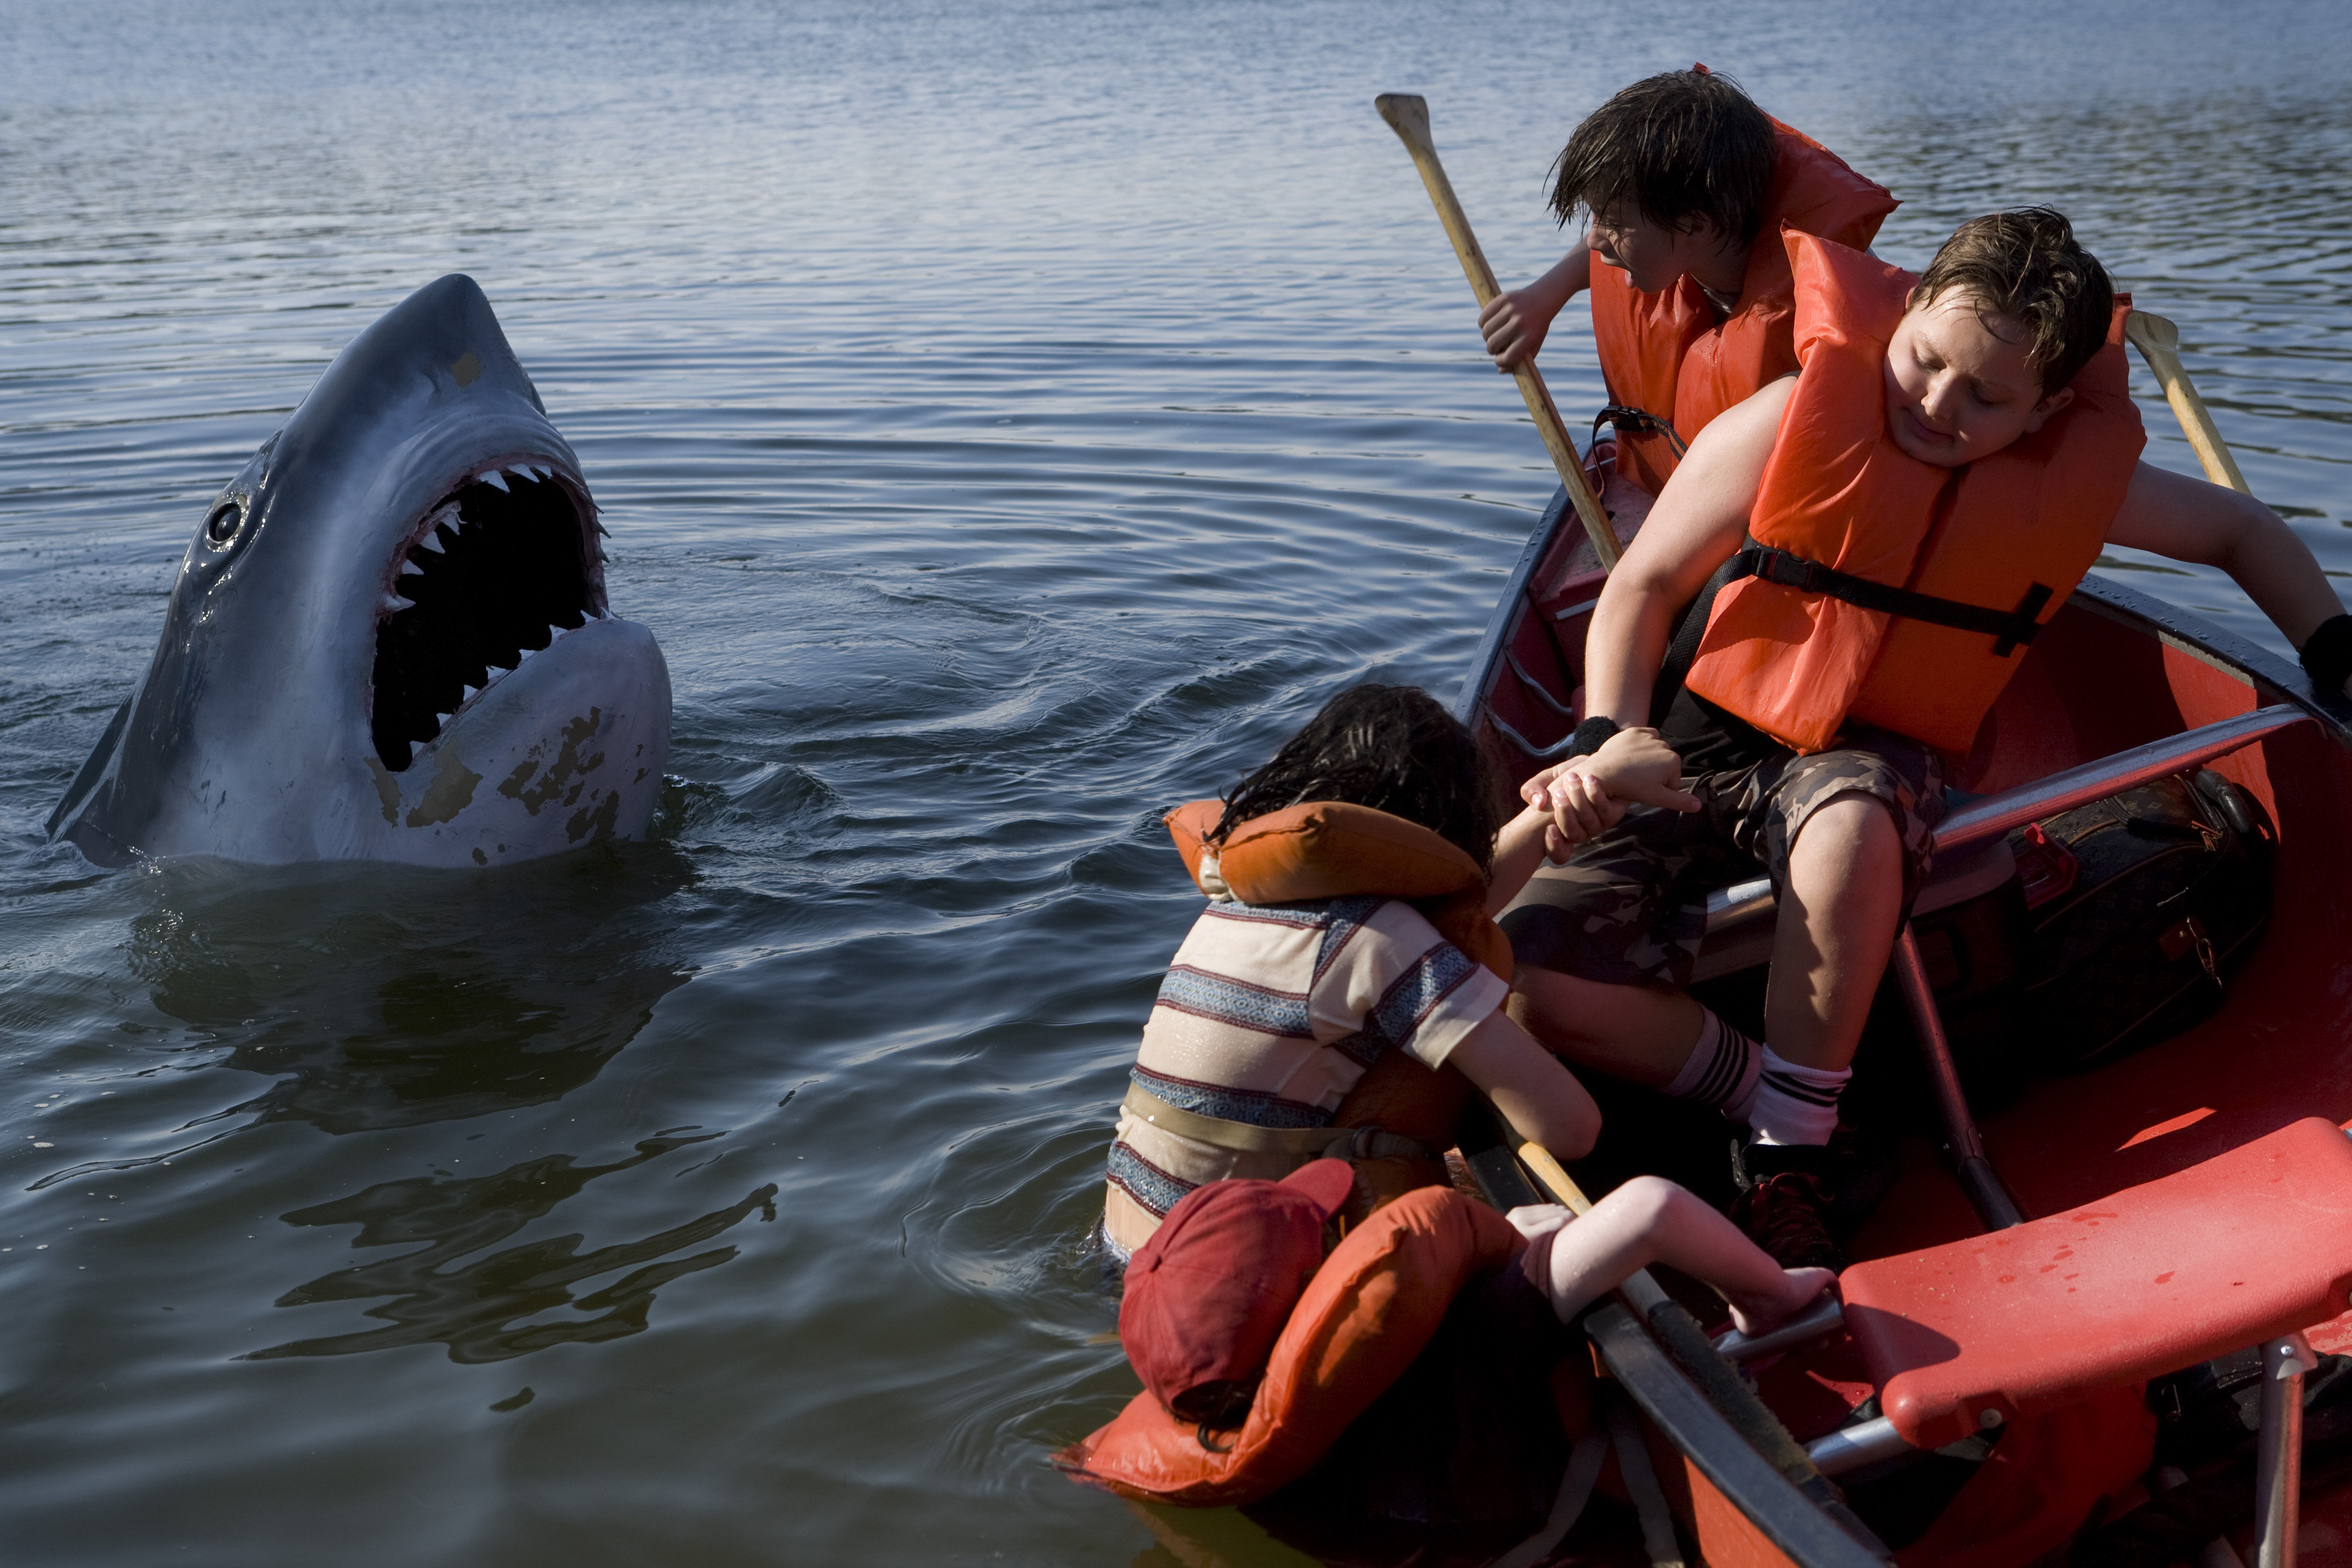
x=1208 y=1295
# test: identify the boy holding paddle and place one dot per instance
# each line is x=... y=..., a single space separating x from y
x=1688 y=183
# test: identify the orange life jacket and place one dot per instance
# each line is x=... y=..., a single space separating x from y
x=1999 y=542
x=1328 y=849
x=1667 y=354
x=1367 y=1313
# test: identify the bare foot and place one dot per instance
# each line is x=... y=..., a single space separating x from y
x=1799 y=1288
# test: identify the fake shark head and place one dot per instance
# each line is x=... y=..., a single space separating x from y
x=389 y=640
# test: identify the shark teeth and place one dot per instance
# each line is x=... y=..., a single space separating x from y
x=490 y=563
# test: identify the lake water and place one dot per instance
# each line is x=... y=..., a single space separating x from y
x=1012 y=418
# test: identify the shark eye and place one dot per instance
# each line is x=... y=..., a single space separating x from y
x=223 y=524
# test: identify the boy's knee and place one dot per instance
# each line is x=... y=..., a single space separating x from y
x=1855 y=827
x=1650 y=1200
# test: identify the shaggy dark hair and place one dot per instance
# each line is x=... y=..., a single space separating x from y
x=1391 y=747
x=2027 y=265
x=1686 y=147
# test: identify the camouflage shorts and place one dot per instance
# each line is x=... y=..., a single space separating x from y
x=1630 y=907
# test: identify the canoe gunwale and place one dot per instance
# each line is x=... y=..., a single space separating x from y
x=1706 y=1439
x=1514 y=602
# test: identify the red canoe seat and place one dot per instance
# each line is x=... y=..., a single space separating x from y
x=2250 y=1245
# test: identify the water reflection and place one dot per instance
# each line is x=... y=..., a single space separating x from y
x=381 y=999
x=477 y=1309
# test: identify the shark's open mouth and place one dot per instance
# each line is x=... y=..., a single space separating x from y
x=495 y=571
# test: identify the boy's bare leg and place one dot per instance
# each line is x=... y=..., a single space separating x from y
x=1651 y=1220
x=1632 y=1032
x=1839 y=914
x=1837 y=927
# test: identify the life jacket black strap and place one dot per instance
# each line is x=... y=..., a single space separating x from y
x=1683 y=651
x=2010 y=630
x=1638 y=422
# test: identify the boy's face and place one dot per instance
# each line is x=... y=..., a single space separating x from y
x=1651 y=256
x=1957 y=384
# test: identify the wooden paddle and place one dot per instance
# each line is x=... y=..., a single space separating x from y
x=2158 y=342
x=1408 y=115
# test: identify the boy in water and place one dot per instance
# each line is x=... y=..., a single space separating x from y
x=1688 y=183
x=1270 y=1015
x=1904 y=405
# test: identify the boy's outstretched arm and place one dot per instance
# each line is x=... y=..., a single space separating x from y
x=1519 y=851
x=1698 y=522
x=1516 y=321
x=1530 y=1086
x=1636 y=764
x=2190 y=520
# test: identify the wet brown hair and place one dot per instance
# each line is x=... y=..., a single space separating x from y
x=1392 y=748
x=1686 y=147
x=2027 y=265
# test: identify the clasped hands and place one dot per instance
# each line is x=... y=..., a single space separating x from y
x=1585 y=796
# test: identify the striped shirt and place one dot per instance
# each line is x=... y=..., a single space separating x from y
x=1269 y=1014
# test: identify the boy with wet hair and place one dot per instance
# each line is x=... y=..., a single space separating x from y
x=1270 y=1015
x=1989 y=399
x=1688 y=183
x=2027 y=266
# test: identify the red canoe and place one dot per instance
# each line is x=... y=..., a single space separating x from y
x=2186 y=1201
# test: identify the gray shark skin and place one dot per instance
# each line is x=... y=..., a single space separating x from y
x=389 y=640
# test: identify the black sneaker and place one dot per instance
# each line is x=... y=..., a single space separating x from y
x=1784 y=1202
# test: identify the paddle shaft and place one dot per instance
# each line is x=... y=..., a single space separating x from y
x=1408 y=116
x=2158 y=342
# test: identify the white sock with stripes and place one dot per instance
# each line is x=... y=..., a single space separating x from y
x=1722 y=1068
x=1796 y=1104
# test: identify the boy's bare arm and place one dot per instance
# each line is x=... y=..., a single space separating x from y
x=1586 y=795
x=1698 y=522
x=1535 y=1092
x=2190 y=520
x=1517 y=321
x=1519 y=849
x=1636 y=764
x=1567 y=806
